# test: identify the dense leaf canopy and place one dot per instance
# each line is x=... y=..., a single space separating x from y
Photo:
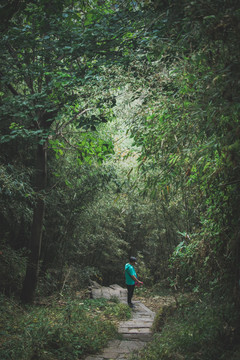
x=128 y=108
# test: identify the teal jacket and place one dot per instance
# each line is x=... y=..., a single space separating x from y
x=129 y=271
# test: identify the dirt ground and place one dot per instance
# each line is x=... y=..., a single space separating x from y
x=156 y=302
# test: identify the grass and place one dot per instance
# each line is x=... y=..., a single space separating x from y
x=65 y=330
x=197 y=329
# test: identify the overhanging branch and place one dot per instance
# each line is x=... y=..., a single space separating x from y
x=61 y=127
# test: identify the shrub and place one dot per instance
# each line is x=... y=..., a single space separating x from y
x=118 y=311
x=162 y=316
x=12 y=269
x=204 y=330
x=65 y=330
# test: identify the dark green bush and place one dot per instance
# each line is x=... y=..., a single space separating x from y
x=162 y=316
x=204 y=330
x=12 y=269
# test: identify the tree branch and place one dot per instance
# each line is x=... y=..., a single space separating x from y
x=27 y=79
x=61 y=127
x=9 y=86
x=231 y=183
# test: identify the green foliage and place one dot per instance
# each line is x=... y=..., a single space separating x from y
x=12 y=269
x=65 y=279
x=52 y=54
x=65 y=329
x=162 y=317
x=144 y=272
x=205 y=329
x=119 y=311
x=165 y=73
x=187 y=130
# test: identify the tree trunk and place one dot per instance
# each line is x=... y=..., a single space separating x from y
x=30 y=281
x=237 y=273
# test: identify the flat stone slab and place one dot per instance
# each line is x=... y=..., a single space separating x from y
x=135 y=331
x=138 y=337
x=137 y=323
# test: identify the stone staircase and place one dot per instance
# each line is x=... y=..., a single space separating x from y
x=139 y=327
x=135 y=332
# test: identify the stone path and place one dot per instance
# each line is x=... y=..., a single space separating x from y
x=135 y=332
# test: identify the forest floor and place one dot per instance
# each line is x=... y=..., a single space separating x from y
x=183 y=325
x=156 y=302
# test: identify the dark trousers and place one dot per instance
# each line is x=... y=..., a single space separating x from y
x=130 y=289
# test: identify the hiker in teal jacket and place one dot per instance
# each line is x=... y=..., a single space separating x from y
x=131 y=279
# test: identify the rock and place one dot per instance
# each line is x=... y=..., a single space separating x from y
x=95 y=285
x=113 y=291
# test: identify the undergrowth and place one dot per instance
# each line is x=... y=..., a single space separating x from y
x=63 y=330
x=197 y=329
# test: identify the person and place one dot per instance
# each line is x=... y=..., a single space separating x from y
x=131 y=279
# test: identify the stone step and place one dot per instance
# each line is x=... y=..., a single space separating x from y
x=140 y=337
x=143 y=315
x=138 y=330
x=137 y=323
